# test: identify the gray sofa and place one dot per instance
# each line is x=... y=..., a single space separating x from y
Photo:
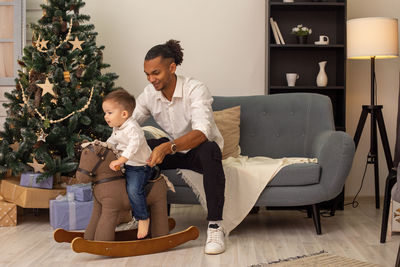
x=288 y=125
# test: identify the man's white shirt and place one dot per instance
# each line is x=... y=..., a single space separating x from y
x=189 y=109
x=129 y=139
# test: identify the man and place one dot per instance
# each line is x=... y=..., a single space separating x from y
x=182 y=107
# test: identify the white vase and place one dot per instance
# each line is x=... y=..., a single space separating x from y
x=322 y=78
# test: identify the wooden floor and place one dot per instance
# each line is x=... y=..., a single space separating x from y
x=266 y=236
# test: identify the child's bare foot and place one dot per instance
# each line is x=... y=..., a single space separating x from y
x=143 y=228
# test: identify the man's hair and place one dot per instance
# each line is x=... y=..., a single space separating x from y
x=171 y=49
x=123 y=98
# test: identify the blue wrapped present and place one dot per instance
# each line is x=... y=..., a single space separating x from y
x=82 y=192
x=28 y=179
x=70 y=215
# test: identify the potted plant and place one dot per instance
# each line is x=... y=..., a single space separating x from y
x=301 y=33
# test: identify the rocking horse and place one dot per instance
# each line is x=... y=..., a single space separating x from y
x=111 y=207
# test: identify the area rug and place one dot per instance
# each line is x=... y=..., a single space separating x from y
x=321 y=258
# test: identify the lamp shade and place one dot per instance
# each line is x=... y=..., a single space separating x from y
x=372 y=37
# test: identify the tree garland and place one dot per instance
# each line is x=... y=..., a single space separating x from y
x=65 y=117
x=58 y=46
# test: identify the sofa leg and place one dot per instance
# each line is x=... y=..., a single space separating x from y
x=169 y=210
x=316 y=218
x=309 y=212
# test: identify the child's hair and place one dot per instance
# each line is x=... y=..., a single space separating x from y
x=123 y=98
x=171 y=49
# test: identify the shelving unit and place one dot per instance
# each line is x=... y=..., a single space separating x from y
x=324 y=18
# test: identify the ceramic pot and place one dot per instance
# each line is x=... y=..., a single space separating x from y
x=302 y=39
x=322 y=78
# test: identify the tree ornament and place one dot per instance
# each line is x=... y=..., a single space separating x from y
x=67 y=76
x=38 y=144
x=43 y=44
x=76 y=43
x=41 y=135
x=15 y=146
x=54 y=58
x=47 y=88
x=21 y=63
x=80 y=70
x=36 y=166
x=64 y=26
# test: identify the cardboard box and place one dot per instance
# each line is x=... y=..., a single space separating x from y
x=26 y=197
x=70 y=215
x=8 y=214
x=28 y=179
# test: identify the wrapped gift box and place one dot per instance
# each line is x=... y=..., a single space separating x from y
x=8 y=213
x=82 y=192
x=27 y=197
x=28 y=179
x=70 y=215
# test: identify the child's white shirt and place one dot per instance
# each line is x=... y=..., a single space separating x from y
x=130 y=141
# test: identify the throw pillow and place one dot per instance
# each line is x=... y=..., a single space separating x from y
x=228 y=123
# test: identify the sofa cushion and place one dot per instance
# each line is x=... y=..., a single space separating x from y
x=292 y=175
x=228 y=123
x=297 y=174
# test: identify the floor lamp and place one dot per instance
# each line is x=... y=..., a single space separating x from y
x=373 y=38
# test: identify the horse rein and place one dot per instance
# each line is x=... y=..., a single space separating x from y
x=102 y=156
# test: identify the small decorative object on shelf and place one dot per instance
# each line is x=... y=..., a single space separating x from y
x=323 y=40
x=291 y=78
x=322 y=78
x=301 y=33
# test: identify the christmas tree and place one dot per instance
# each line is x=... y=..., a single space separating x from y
x=59 y=90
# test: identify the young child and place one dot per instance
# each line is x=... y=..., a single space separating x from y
x=128 y=138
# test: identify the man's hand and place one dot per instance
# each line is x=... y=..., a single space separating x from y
x=159 y=153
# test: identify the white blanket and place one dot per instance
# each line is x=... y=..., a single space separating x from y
x=246 y=178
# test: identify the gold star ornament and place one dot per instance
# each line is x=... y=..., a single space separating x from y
x=36 y=166
x=47 y=87
x=41 y=135
x=43 y=44
x=76 y=44
x=54 y=58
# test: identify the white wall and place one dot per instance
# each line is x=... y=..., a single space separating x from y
x=223 y=41
x=358 y=94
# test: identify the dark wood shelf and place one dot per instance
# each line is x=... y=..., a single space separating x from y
x=309 y=4
x=324 y=18
x=313 y=46
x=305 y=87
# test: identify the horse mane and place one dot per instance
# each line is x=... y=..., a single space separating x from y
x=103 y=144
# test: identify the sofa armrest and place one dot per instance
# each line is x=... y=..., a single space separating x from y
x=334 y=151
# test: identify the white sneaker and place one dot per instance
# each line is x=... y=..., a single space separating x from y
x=133 y=224
x=215 y=243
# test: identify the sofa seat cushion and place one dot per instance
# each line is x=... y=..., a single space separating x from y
x=297 y=174
x=292 y=175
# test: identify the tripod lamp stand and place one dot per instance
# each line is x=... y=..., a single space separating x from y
x=373 y=38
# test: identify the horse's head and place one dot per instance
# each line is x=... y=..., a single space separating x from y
x=94 y=163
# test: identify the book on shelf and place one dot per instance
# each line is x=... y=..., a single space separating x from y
x=279 y=33
x=274 y=31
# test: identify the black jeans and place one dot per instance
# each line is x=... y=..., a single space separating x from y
x=205 y=159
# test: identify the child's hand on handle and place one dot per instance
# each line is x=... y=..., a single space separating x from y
x=115 y=165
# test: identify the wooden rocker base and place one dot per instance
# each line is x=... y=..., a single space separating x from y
x=60 y=235
x=134 y=248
